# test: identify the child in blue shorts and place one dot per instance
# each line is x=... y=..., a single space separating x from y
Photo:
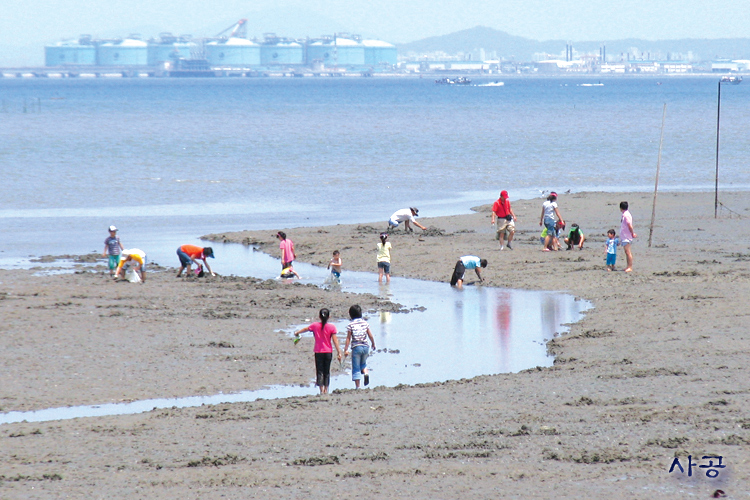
x=612 y=243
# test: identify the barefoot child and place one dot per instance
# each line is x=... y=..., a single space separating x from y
x=335 y=266
x=627 y=234
x=325 y=335
x=612 y=243
x=384 y=258
x=357 y=333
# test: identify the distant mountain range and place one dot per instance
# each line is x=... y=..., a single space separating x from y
x=523 y=49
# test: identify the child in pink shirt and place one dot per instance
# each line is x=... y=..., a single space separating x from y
x=325 y=335
x=287 y=250
x=627 y=234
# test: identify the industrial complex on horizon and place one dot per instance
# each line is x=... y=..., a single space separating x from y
x=232 y=53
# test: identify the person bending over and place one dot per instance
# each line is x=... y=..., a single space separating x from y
x=464 y=263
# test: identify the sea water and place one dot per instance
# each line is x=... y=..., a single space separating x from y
x=168 y=160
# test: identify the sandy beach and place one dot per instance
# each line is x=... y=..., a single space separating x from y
x=658 y=369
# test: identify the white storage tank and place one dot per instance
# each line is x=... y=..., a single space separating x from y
x=278 y=51
x=339 y=51
x=76 y=52
x=379 y=53
x=233 y=52
x=128 y=52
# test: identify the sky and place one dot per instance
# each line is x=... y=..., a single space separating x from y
x=27 y=25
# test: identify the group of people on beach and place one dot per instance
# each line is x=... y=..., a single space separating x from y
x=358 y=330
x=130 y=264
x=553 y=230
x=120 y=259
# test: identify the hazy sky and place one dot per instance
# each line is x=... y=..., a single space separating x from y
x=26 y=25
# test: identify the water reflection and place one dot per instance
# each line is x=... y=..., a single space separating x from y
x=451 y=334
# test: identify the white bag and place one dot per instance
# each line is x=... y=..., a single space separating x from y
x=132 y=276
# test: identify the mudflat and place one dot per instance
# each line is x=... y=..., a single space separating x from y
x=657 y=370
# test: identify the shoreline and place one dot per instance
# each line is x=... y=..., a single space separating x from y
x=656 y=370
x=160 y=241
x=34 y=73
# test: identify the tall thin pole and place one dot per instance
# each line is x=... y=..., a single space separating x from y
x=716 y=188
x=656 y=183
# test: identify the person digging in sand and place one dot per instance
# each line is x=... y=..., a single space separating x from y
x=407 y=216
x=464 y=263
x=575 y=238
x=191 y=254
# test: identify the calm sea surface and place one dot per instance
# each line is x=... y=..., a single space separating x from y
x=169 y=160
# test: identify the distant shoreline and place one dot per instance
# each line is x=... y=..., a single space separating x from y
x=108 y=73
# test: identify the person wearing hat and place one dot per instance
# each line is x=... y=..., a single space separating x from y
x=112 y=249
x=464 y=263
x=407 y=216
x=505 y=219
x=575 y=237
x=134 y=258
x=190 y=254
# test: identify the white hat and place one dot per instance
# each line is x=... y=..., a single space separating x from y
x=112 y=228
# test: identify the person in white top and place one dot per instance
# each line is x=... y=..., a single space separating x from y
x=407 y=216
x=550 y=216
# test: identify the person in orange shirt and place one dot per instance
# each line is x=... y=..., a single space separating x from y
x=191 y=254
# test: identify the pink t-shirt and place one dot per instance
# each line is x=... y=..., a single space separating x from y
x=625 y=224
x=287 y=250
x=323 y=336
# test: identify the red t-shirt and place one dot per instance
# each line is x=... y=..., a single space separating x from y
x=323 y=336
x=501 y=209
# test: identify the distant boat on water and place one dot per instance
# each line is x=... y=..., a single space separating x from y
x=600 y=84
x=492 y=84
x=461 y=80
x=734 y=80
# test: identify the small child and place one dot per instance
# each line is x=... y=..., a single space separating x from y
x=612 y=243
x=335 y=266
x=112 y=249
x=575 y=237
x=357 y=333
x=384 y=258
x=289 y=272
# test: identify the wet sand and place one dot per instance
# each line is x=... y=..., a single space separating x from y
x=658 y=369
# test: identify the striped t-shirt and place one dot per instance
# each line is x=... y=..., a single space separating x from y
x=358 y=329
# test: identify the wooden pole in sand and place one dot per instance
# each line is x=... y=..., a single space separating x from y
x=656 y=183
x=718 y=117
